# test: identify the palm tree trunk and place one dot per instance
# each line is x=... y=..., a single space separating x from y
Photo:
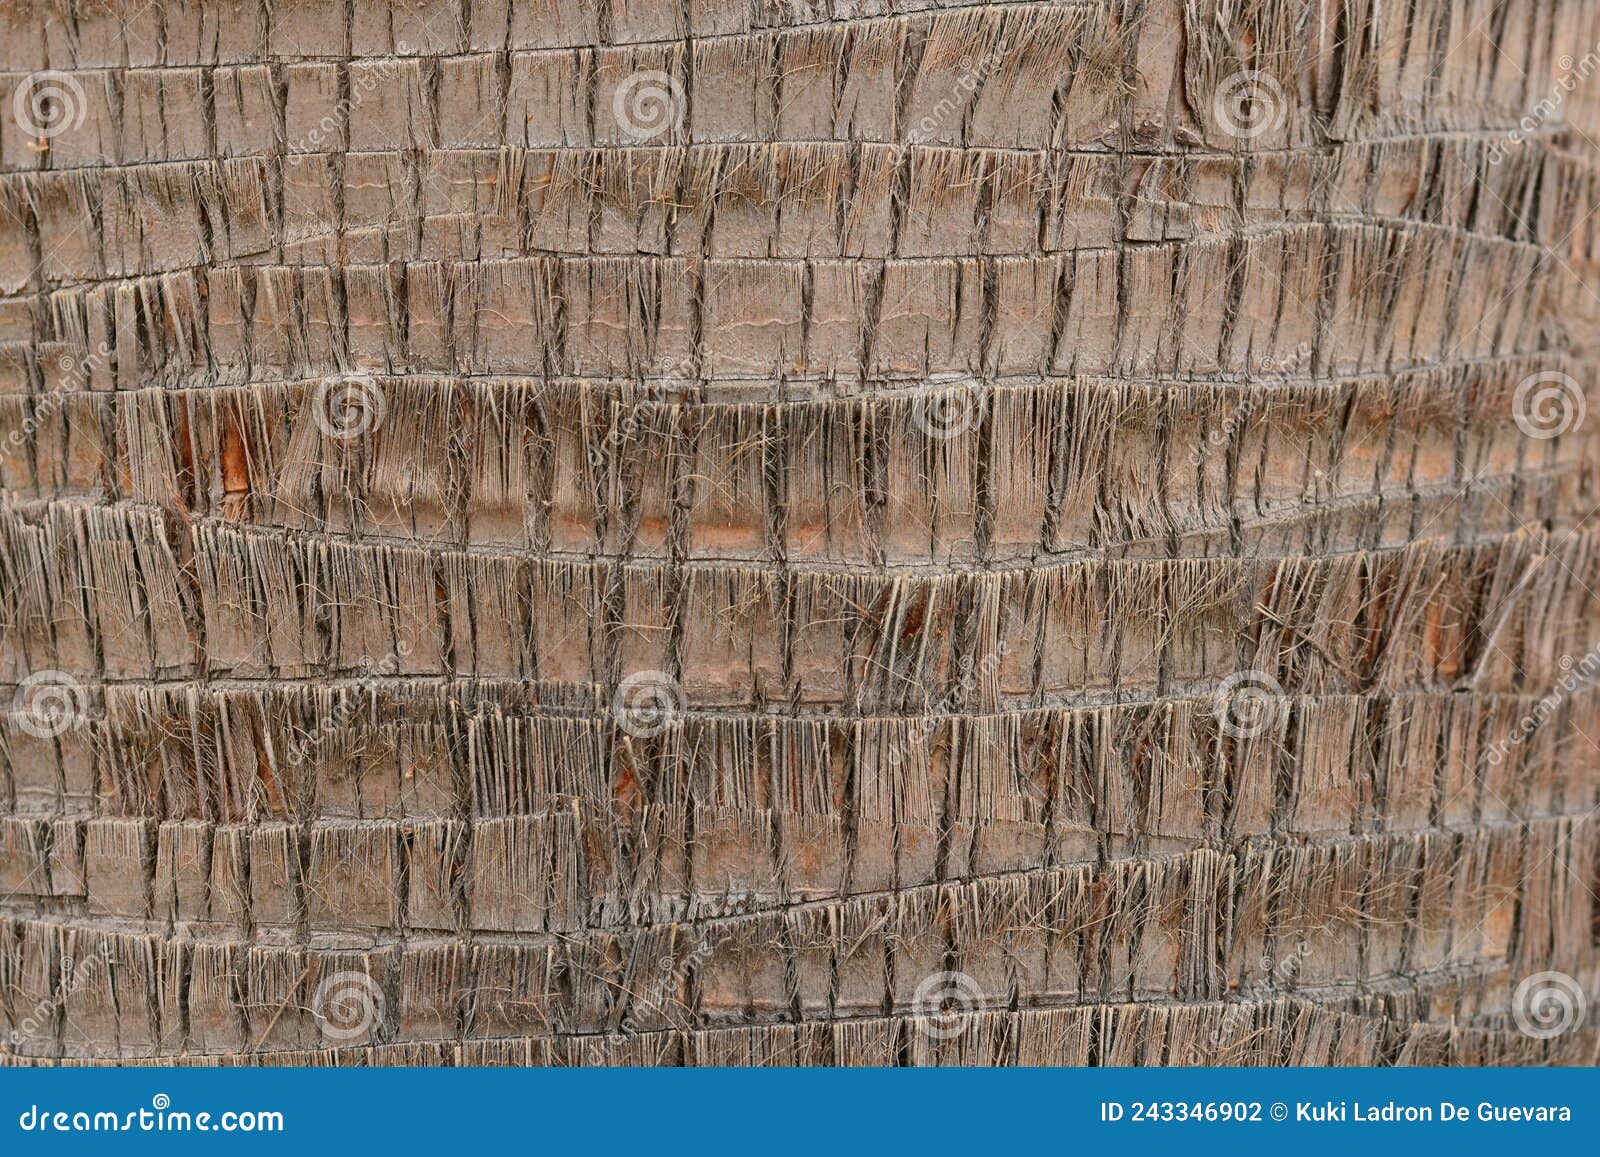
x=855 y=533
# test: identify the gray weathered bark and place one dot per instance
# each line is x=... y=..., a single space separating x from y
x=718 y=532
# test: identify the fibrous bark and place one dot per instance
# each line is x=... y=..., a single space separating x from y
x=718 y=532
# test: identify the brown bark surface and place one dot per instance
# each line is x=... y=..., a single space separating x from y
x=734 y=532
